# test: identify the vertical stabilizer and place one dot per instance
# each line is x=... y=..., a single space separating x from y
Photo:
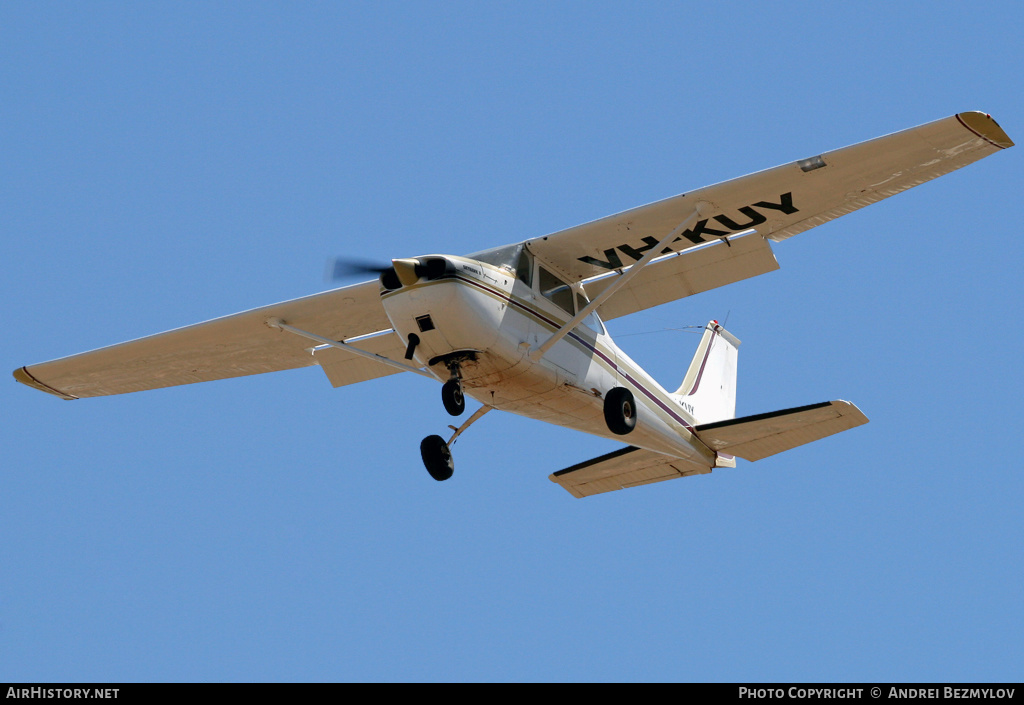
x=708 y=391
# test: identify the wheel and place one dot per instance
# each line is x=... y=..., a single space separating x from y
x=453 y=398
x=620 y=411
x=437 y=458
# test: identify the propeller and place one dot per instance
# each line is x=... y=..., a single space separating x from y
x=341 y=268
x=397 y=273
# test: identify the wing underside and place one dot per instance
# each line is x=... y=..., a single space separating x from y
x=232 y=346
x=779 y=202
x=343 y=368
x=691 y=272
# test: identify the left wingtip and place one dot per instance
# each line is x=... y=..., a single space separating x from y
x=985 y=127
x=25 y=377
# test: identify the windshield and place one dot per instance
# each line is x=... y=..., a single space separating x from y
x=499 y=256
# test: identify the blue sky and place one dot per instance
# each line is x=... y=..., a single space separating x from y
x=166 y=163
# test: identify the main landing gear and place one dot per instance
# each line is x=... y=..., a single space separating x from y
x=437 y=453
x=437 y=457
x=620 y=411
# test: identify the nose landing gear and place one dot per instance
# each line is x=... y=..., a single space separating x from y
x=452 y=397
x=451 y=393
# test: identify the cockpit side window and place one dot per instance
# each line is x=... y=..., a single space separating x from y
x=592 y=321
x=524 y=268
x=554 y=289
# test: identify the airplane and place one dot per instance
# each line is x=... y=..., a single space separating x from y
x=520 y=328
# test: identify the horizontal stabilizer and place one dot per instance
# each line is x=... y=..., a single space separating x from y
x=628 y=467
x=756 y=437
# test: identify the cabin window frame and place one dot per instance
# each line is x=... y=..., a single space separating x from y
x=558 y=291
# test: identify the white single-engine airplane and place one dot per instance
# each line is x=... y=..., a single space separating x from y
x=519 y=328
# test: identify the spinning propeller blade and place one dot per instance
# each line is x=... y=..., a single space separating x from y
x=345 y=268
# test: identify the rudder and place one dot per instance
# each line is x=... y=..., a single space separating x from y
x=708 y=390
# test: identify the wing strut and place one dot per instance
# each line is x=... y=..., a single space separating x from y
x=281 y=325
x=538 y=352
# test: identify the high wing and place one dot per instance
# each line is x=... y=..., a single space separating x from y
x=773 y=204
x=232 y=346
x=343 y=368
x=685 y=274
x=780 y=202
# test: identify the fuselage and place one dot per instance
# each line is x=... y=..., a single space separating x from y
x=489 y=317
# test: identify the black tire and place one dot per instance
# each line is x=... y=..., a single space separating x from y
x=452 y=397
x=437 y=458
x=620 y=411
